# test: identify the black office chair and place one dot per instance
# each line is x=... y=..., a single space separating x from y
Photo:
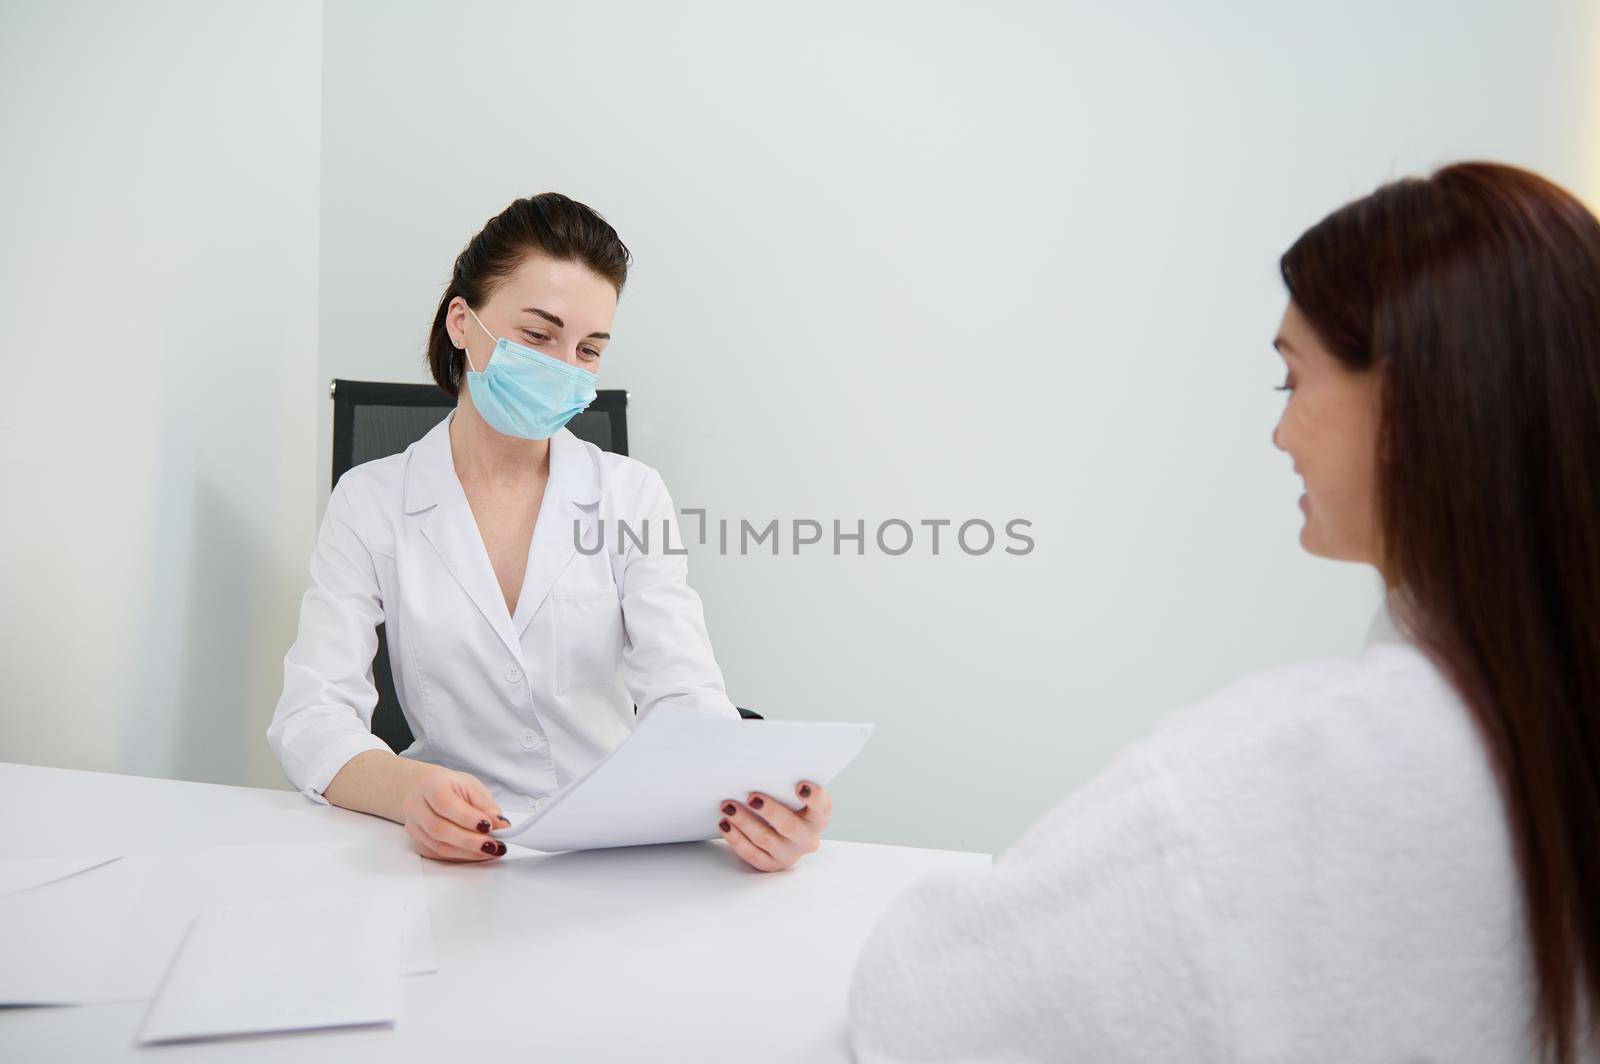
x=374 y=419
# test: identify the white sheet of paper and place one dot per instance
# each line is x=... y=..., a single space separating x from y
x=187 y=881
x=294 y=964
x=110 y=933
x=59 y=941
x=23 y=873
x=664 y=783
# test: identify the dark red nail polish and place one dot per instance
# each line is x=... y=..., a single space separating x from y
x=730 y=809
x=488 y=847
x=500 y=850
x=724 y=825
x=483 y=826
x=805 y=791
x=756 y=802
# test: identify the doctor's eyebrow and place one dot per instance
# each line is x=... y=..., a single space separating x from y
x=1281 y=344
x=558 y=323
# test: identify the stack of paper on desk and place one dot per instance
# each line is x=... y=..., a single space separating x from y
x=664 y=783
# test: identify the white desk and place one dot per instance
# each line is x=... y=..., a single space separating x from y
x=665 y=953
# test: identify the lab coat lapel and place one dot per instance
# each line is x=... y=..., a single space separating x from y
x=433 y=493
x=566 y=513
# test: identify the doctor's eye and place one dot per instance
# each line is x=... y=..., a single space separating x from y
x=588 y=353
x=536 y=337
x=1286 y=386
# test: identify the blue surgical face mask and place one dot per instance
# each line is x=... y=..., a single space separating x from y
x=523 y=392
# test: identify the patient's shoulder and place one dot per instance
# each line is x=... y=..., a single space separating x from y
x=1335 y=745
x=1390 y=693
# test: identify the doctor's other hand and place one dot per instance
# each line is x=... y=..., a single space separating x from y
x=768 y=835
x=448 y=816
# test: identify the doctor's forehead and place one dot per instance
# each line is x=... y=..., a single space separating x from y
x=570 y=294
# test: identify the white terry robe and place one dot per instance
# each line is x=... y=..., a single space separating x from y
x=1312 y=865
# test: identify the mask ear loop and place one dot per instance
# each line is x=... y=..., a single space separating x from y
x=468 y=351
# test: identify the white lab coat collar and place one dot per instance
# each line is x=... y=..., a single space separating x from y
x=433 y=495
x=431 y=471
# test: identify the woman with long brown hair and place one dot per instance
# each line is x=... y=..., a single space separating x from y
x=1392 y=856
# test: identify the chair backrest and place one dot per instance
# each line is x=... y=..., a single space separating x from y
x=374 y=419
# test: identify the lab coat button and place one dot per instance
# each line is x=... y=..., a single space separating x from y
x=513 y=674
x=529 y=740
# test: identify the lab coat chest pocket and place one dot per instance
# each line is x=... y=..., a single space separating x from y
x=588 y=636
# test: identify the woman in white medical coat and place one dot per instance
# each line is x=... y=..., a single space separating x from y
x=518 y=657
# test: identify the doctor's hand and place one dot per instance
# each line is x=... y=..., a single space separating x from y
x=768 y=835
x=448 y=816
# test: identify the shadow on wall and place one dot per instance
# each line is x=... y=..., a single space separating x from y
x=189 y=705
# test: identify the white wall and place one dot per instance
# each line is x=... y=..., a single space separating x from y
x=945 y=260
x=158 y=233
x=894 y=260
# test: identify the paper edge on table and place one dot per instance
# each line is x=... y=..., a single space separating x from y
x=76 y=866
